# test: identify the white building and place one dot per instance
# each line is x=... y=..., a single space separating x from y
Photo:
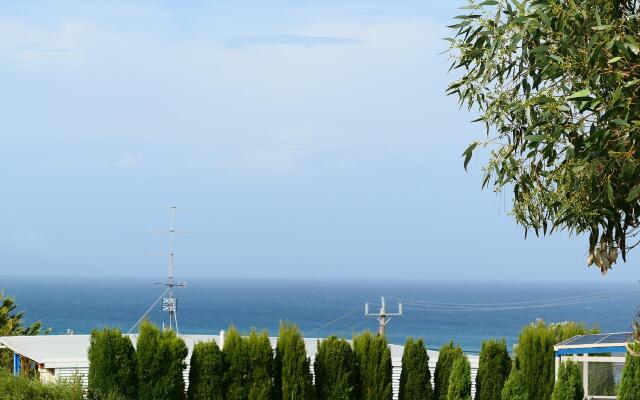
x=65 y=356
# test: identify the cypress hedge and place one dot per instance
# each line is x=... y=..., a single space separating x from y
x=261 y=364
x=238 y=362
x=493 y=370
x=292 y=377
x=373 y=357
x=206 y=374
x=415 y=378
x=630 y=384
x=448 y=354
x=112 y=366
x=569 y=383
x=536 y=357
x=515 y=388
x=460 y=380
x=160 y=357
x=335 y=370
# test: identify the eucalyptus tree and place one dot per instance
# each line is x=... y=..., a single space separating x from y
x=557 y=85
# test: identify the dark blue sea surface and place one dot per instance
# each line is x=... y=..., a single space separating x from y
x=325 y=308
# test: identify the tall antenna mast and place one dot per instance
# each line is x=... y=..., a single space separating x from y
x=383 y=316
x=170 y=303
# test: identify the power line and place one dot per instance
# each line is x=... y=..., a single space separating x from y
x=421 y=307
x=555 y=300
x=332 y=322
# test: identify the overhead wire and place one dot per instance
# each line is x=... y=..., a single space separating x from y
x=148 y=311
x=554 y=300
x=332 y=322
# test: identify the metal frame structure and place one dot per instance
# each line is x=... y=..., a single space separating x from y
x=588 y=349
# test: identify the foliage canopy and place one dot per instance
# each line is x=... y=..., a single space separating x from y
x=569 y=383
x=415 y=378
x=374 y=363
x=557 y=84
x=493 y=370
x=335 y=370
x=460 y=380
x=448 y=354
x=112 y=366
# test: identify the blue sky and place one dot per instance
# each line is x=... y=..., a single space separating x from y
x=298 y=139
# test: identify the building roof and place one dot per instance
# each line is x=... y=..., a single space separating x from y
x=595 y=343
x=70 y=351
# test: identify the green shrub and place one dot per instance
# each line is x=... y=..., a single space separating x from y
x=238 y=372
x=415 y=378
x=569 y=383
x=261 y=361
x=206 y=372
x=536 y=356
x=335 y=370
x=493 y=370
x=460 y=380
x=22 y=388
x=112 y=366
x=515 y=388
x=374 y=367
x=292 y=377
x=160 y=357
x=448 y=354
x=630 y=383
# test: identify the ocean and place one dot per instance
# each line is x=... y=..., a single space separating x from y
x=466 y=313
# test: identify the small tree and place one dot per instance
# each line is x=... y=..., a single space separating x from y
x=261 y=361
x=12 y=324
x=112 y=365
x=238 y=373
x=160 y=357
x=415 y=378
x=448 y=354
x=515 y=388
x=293 y=380
x=374 y=367
x=493 y=371
x=630 y=383
x=569 y=383
x=460 y=380
x=206 y=374
x=335 y=370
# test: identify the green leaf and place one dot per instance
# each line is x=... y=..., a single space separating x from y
x=581 y=94
x=468 y=153
x=610 y=193
x=633 y=193
x=614 y=60
x=535 y=138
x=620 y=122
x=631 y=83
x=601 y=27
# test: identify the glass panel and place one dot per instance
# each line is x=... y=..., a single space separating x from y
x=602 y=381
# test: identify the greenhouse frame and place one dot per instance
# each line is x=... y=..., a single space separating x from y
x=601 y=357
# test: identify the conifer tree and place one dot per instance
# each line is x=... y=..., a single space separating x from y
x=238 y=361
x=460 y=380
x=261 y=361
x=206 y=374
x=569 y=383
x=374 y=367
x=493 y=370
x=630 y=383
x=515 y=388
x=292 y=378
x=448 y=354
x=112 y=365
x=335 y=370
x=160 y=357
x=536 y=359
x=415 y=378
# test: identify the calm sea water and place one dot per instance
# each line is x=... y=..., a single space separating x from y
x=207 y=306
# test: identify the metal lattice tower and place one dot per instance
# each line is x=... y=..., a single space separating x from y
x=170 y=303
x=383 y=316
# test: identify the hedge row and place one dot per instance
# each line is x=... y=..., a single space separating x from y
x=246 y=368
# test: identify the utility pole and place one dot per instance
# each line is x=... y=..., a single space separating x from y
x=383 y=316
